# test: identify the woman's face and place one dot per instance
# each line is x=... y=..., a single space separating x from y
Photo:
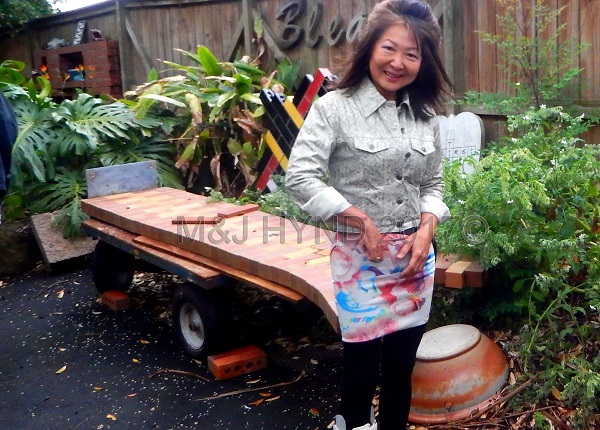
x=395 y=60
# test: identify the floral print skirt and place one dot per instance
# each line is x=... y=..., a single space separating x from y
x=372 y=300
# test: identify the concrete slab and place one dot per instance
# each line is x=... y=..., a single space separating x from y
x=54 y=247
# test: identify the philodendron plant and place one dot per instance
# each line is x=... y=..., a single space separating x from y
x=58 y=141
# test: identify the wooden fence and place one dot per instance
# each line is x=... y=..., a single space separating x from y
x=315 y=31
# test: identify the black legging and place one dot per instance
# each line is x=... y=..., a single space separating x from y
x=395 y=356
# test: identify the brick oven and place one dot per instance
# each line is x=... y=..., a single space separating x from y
x=93 y=67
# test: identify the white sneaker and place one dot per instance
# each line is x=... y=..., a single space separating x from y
x=340 y=423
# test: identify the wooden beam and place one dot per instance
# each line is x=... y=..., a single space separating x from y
x=124 y=48
x=235 y=41
x=139 y=46
x=454 y=47
x=270 y=40
x=248 y=22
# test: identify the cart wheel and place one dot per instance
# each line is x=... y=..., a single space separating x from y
x=112 y=268
x=195 y=320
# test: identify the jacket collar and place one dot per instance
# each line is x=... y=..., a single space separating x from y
x=370 y=99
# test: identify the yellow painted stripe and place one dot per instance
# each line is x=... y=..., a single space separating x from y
x=293 y=113
x=276 y=150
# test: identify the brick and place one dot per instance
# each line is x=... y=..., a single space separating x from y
x=116 y=300
x=237 y=362
x=441 y=265
x=475 y=275
x=455 y=274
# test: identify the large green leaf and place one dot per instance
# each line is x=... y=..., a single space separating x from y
x=11 y=76
x=30 y=154
x=160 y=98
x=209 y=61
x=87 y=121
x=243 y=83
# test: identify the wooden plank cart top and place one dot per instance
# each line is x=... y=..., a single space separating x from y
x=233 y=237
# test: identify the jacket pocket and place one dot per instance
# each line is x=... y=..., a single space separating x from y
x=423 y=146
x=372 y=145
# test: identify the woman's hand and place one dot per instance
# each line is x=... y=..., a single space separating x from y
x=374 y=246
x=418 y=245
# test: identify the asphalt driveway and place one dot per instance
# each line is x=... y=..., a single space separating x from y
x=69 y=362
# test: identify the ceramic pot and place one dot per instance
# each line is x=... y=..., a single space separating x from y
x=458 y=372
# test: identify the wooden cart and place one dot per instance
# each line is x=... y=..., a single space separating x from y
x=209 y=244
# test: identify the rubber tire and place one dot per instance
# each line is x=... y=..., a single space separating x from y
x=112 y=268
x=195 y=320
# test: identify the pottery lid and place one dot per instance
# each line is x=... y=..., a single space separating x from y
x=447 y=342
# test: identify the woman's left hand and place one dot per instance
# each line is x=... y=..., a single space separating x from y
x=418 y=245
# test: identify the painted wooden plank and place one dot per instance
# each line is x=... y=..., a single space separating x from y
x=102 y=181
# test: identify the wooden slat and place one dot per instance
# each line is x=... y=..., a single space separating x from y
x=201 y=275
x=263 y=284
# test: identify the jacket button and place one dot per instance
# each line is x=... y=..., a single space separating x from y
x=407 y=155
x=399 y=177
x=399 y=201
x=371 y=147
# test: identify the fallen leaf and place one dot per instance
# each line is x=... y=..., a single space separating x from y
x=314 y=412
x=132 y=395
x=135 y=360
x=272 y=398
x=111 y=417
x=96 y=313
x=313 y=361
x=254 y=381
x=556 y=393
x=60 y=294
x=258 y=402
x=61 y=370
x=265 y=394
x=98 y=388
x=144 y=342
x=62 y=349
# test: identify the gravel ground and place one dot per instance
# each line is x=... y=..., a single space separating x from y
x=68 y=362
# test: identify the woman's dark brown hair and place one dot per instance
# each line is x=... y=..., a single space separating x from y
x=426 y=91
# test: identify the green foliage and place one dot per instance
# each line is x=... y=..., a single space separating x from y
x=277 y=202
x=288 y=72
x=15 y=13
x=218 y=115
x=536 y=59
x=531 y=211
x=58 y=141
x=217 y=107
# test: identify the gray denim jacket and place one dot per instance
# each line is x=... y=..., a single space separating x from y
x=373 y=155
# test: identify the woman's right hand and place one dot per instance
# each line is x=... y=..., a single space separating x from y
x=374 y=246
